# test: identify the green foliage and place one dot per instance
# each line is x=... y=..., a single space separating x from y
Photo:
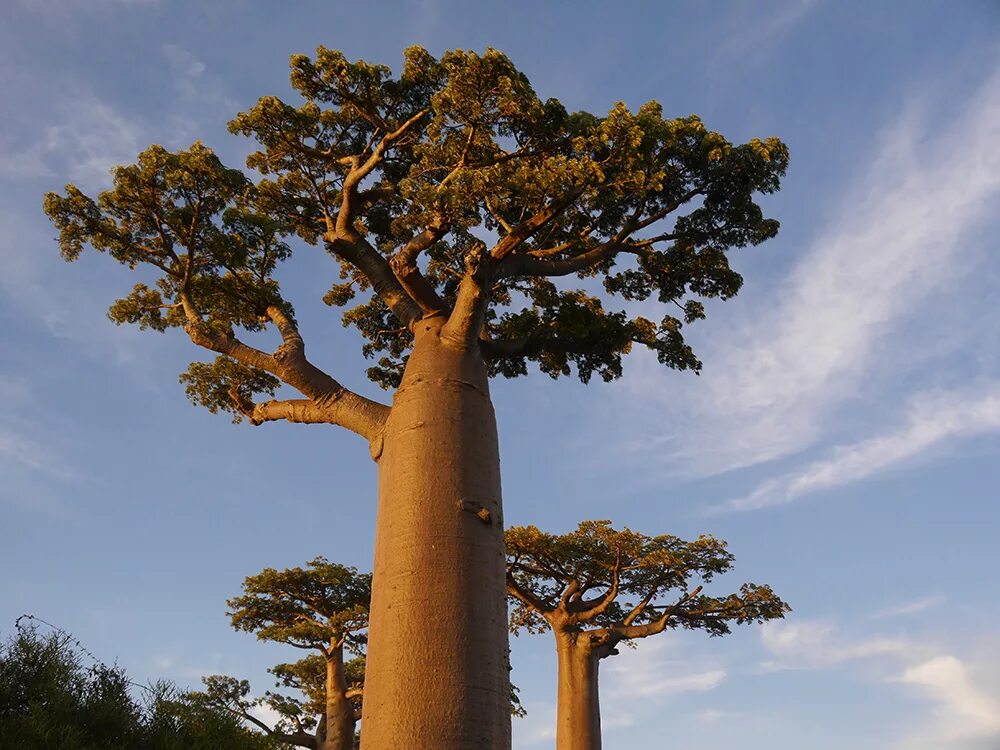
x=308 y=607
x=54 y=695
x=308 y=676
x=577 y=570
x=187 y=217
x=636 y=205
x=226 y=385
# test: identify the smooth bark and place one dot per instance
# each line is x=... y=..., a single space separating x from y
x=578 y=718
x=437 y=674
x=340 y=718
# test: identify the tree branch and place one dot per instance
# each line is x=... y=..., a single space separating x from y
x=527 y=597
x=523 y=231
x=344 y=240
x=329 y=402
x=465 y=324
x=643 y=603
x=589 y=610
x=404 y=266
x=656 y=626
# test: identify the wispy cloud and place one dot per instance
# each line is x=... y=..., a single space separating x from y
x=773 y=377
x=654 y=671
x=537 y=727
x=933 y=419
x=753 y=33
x=905 y=609
x=201 y=99
x=809 y=644
x=86 y=138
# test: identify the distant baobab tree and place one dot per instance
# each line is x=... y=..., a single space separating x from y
x=597 y=587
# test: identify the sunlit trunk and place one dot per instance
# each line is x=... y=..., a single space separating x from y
x=339 y=734
x=578 y=718
x=437 y=672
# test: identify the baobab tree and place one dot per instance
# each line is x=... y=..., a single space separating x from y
x=322 y=607
x=449 y=199
x=596 y=587
x=298 y=724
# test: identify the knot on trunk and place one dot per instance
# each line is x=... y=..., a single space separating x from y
x=480 y=511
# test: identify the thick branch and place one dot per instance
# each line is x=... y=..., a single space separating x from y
x=523 y=231
x=527 y=597
x=536 y=265
x=300 y=738
x=329 y=402
x=643 y=603
x=589 y=610
x=339 y=411
x=541 y=340
x=656 y=626
x=465 y=323
x=347 y=243
x=350 y=246
x=404 y=266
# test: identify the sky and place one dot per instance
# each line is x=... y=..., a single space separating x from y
x=844 y=436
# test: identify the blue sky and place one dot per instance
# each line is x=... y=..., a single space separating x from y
x=844 y=436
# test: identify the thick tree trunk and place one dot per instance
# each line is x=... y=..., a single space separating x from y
x=578 y=718
x=437 y=674
x=340 y=722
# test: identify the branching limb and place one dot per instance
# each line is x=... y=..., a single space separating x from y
x=588 y=610
x=301 y=738
x=328 y=401
x=344 y=240
x=643 y=603
x=526 y=229
x=465 y=324
x=524 y=595
x=404 y=266
x=659 y=624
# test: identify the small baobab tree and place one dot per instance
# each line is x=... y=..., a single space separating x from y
x=597 y=587
x=322 y=607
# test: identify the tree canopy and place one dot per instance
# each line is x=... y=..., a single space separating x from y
x=321 y=606
x=616 y=585
x=451 y=189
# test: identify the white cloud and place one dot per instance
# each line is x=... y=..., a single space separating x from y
x=713 y=716
x=933 y=419
x=537 y=727
x=201 y=100
x=752 y=33
x=266 y=714
x=783 y=362
x=966 y=712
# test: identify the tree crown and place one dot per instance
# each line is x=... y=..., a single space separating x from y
x=321 y=606
x=621 y=584
x=451 y=190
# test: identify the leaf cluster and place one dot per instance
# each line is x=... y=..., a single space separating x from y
x=320 y=606
x=599 y=577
